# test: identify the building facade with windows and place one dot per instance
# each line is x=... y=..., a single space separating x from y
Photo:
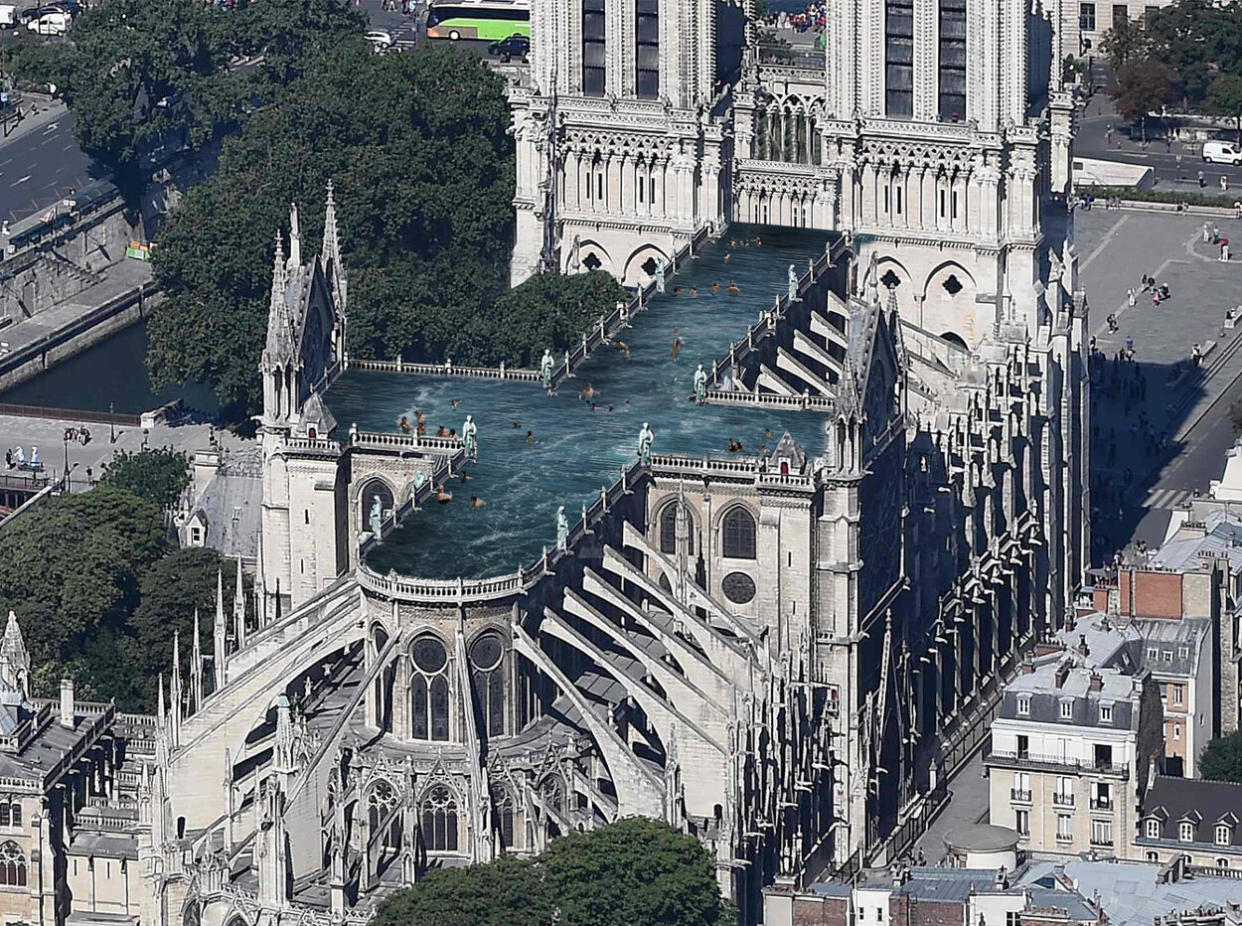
x=1180 y=655
x=1073 y=749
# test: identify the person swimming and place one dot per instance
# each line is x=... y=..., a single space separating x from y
x=443 y=497
x=694 y=290
x=715 y=288
x=676 y=344
x=733 y=290
x=734 y=445
x=515 y=424
x=726 y=257
x=464 y=476
x=622 y=346
x=530 y=438
x=589 y=393
x=453 y=403
x=476 y=502
x=442 y=431
x=405 y=424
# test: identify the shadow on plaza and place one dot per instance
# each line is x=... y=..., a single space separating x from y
x=1132 y=437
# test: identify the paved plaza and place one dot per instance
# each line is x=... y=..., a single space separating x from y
x=1143 y=411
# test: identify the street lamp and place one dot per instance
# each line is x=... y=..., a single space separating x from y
x=111 y=423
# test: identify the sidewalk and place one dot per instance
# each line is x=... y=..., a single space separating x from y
x=49 y=110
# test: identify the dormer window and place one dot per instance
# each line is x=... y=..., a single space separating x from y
x=1153 y=829
x=1106 y=713
x=1186 y=831
x=1067 y=710
x=1224 y=834
x=1024 y=705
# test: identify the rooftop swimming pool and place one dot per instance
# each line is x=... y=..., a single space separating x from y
x=575 y=446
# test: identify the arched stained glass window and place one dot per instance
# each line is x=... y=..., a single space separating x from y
x=738 y=534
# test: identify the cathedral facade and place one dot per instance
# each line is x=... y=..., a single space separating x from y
x=783 y=655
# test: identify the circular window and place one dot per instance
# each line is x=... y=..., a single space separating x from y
x=429 y=655
x=738 y=587
x=486 y=651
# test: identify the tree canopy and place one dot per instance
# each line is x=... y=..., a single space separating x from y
x=631 y=871
x=1221 y=759
x=418 y=149
x=158 y=475
x=99 y=591
x=145 y=76
x=1224 y=98
x=1140 y=87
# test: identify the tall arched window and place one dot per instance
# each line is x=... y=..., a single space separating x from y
x=429 y=695
x=503 y=802
x=668 y=530
x=738 y=534
x=380 y=803
x=488 y=673
x=12 y=865
x=440 y=820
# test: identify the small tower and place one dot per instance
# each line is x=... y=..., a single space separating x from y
x=174 y=720
x=14 y=658
x=280 y=351
x=334 y=273
x=272 y=845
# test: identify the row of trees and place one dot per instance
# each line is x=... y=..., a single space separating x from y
x=1187 y=54
x=633 y=871
x=99 y=586
x=140 y=75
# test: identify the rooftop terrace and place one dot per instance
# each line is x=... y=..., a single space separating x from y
x=577 y=449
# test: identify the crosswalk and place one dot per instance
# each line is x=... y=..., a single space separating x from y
x=1167 y=498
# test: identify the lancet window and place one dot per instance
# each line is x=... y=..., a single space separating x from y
x=429 y=690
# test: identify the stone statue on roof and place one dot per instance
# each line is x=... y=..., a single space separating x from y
x=545 y=368
x=562 y=529
x=659 y=274
x=469 y=437
x=376 y=518
x=645 y=437
x=793 y=283
x=700 y=385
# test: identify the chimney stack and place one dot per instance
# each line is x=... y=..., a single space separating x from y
x=67 y=708
x=1097 y=683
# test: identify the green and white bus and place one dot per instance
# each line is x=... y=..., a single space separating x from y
x=488 y=20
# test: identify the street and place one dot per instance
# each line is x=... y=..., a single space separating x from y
x=40 y=163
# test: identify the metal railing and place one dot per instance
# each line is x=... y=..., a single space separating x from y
x=1008 y=756
x=1015 y=794
x=1062 y=800
x=68 y=414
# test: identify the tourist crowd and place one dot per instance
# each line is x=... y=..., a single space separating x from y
x=811 y=17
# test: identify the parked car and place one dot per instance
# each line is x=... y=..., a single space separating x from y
x=53 y=23
x=379 y=39
x=515 y=46
x=1222 y=152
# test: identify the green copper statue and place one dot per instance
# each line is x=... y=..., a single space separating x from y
x=793 y=283
x=659 y=274
x=645 y=437
x=700 y=385
x=377 y=518
x=545 y=369
x=469 y=437
x=562 y=529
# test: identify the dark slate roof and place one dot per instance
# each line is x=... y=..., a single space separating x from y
x=1203 y=803
x=236 y=490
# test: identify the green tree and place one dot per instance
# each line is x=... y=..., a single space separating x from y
x=635 y=871
x=507 y=892
x=158 y=475
x=1142 y=87
x=419 y=151
x=1221 y=759
x=1196 y=39
x=1224 y=98
x=1125 y=42
x=70 y=567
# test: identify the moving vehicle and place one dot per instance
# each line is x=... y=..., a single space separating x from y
x=1222 y=152
x=489 y=20
x=379 y=39
x=515 y=46
x=51 y=23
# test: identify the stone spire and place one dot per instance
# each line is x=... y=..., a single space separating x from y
x=160 y=713
x=196 y=668
x=174 y=693
x=331 y=250
x=334 y=271
x=219 y=638
x=279 y=348
x=239 y=608
x=14 y=658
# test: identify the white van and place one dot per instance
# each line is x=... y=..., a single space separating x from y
x=1222 y=152
x=8 y=16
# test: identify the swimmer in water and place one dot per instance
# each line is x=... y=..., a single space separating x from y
x=694 y=290
x=464 y=476
x=726 y=257
x=676 y=345
x=443 y=497
x=622 y=346
x=767 y=432
x=442 y=431
x=715 y=288
x=589 y=393
x=453 y=403
x=733 y=290
x=530 y=438
x=515 y=424
x=405 y=424
x=610 y=408
x=476 y=502
x=758 y=241
x=676 y=290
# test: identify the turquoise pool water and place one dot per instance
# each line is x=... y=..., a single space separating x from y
x=577 y=450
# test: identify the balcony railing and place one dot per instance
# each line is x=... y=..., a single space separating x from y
x=1099 y=840
x=1026 y=759
x=1017 y=794
x=1062 y=800
x=1101 y=803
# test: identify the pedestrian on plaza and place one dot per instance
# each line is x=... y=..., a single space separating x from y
x=1201 y=180
x=1224 y=182
x=1237 y=209
x=1130 y=297
x=1207 y=232
x=1215 y=234
x=8 y=458
x=1224 y=249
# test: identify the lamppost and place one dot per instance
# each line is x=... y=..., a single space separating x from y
x=67 y=435
x=111 y=423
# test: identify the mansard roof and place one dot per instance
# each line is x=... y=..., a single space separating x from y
x=1173 y=801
